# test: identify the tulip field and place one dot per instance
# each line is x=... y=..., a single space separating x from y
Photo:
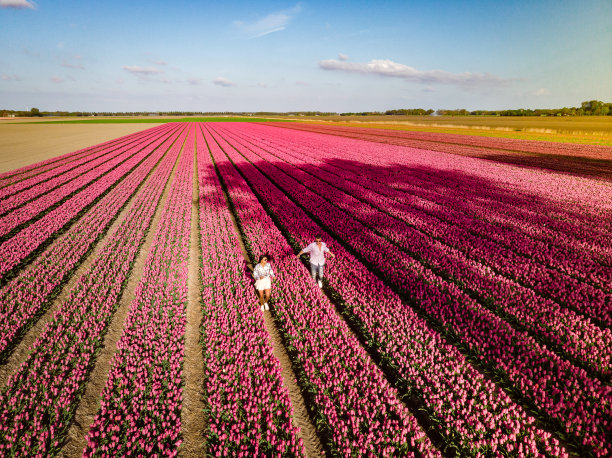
x=467 y=310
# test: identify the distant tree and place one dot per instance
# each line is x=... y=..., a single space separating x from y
x=35 y=112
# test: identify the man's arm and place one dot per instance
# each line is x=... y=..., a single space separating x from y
x=305 y=250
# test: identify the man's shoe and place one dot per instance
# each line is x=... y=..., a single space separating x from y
x=266 y=306
x=262 y=307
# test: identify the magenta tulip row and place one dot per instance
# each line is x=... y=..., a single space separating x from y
x=248 y=409
x=570 y=333
x=426 y=363
x=493 y=143
x=355 y=405
x=13 y=177
x=54 y=196
x=532 y=370
x=580 y=209
x=430 y=191
x=441 y=222
x=20 y=245
x=142 y=398
x=30 y=291
x=39 y=401
x=21 y=193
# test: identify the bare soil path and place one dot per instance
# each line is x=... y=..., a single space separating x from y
x=192 y=414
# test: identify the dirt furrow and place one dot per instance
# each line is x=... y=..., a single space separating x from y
x=192 y=414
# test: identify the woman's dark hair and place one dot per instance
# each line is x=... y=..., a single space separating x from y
x=267 y=256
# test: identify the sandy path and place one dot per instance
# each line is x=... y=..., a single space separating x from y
x=25 y=144
x=192 y=413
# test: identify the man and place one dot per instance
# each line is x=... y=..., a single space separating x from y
x=317 y=250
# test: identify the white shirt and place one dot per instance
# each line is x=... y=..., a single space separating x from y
x=317 y=256
x=262 y=272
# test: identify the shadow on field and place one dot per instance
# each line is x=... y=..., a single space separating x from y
x=438 y=190
x=577 y=165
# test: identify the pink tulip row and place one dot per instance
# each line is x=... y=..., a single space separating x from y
x=248 y=408
x=356 y=409
x=540 y=376
x=434 y=188
x=20 y=193
x=545 y=319
x=478 y=240
x=13 y=177
x=40 y=398
x=580 y=212
x=31 y=172
x=142 y=399
x=20 y=245
x=505 y=218
x=53 y=195
x=28 y=294
x=429 y=367
x=492 y=143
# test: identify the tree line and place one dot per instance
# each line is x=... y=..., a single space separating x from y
x=588 y=108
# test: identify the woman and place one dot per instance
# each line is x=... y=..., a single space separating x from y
x=263 y=273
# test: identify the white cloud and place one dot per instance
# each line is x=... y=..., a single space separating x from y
x=301 y=83
x=141 y=71
x=342 y=57
x=220 y=81
x=260 y=84
x=388 y=68
x=273 y=22
x=194 y=81
x=542 y=91
x=5 y=77
x=57 y=79
x=69 y=65
x=160 y=62
x=18 y=4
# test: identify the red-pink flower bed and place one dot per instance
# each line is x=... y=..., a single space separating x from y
x=466 y=311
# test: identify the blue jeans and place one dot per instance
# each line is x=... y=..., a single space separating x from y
x=314 y=269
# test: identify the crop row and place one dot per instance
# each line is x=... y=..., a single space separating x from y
x=504 y=249
x=27 y=295
x=431 y=371
x=491 y=145
x=31 y=172
x=41 y=397
x=248 y=409
x=23 y=243
x=356 y=410
x=558 y=389
x=574 y=335
x=29 y=189
x=411 y=177
x=142 y=398
x=52 y=196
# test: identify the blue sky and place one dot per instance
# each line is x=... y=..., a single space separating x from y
x=311 y=55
